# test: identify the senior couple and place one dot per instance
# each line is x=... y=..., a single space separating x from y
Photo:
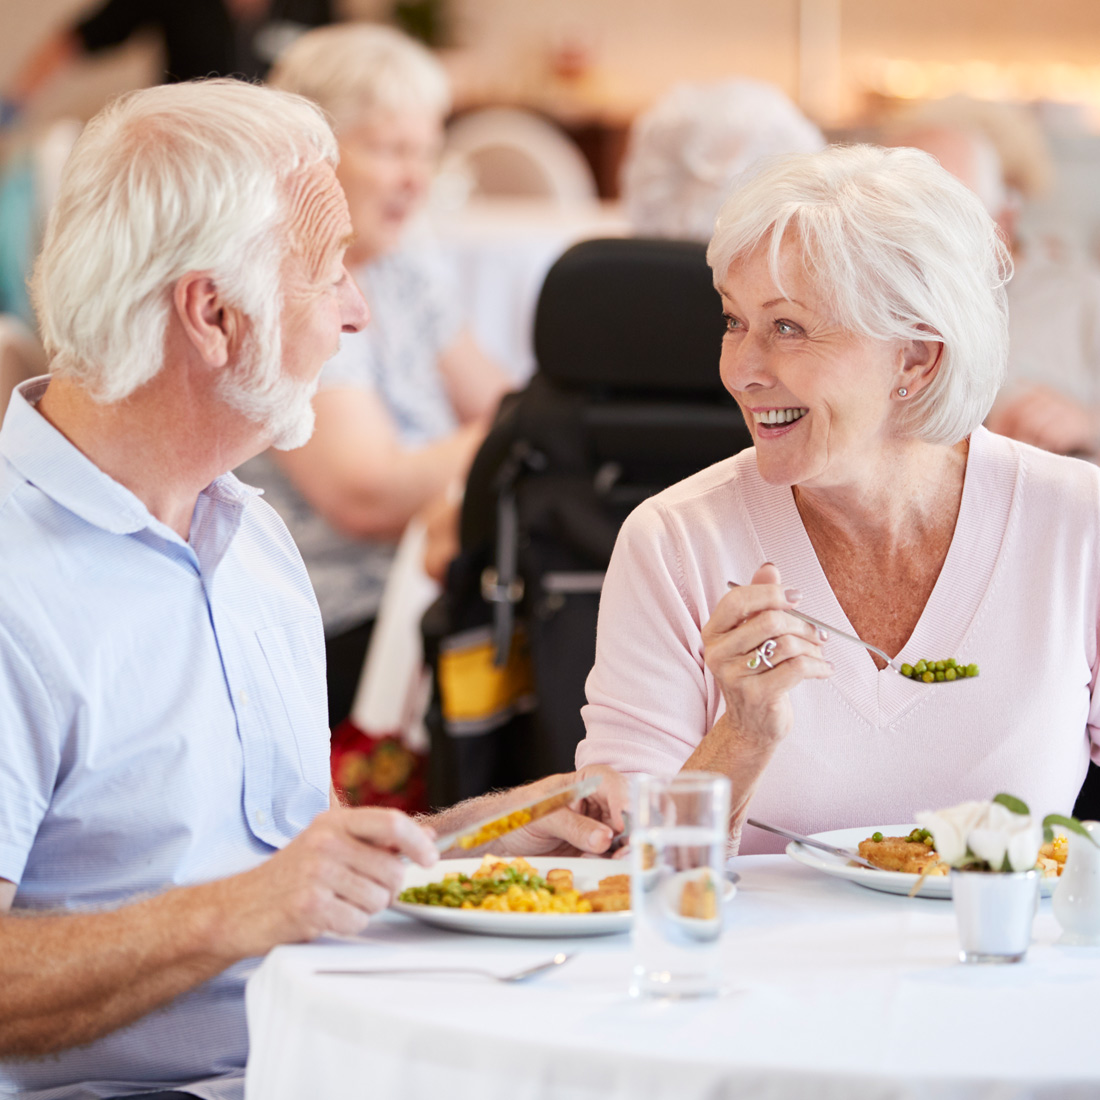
x=165 y=812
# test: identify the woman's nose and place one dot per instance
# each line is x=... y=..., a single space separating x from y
x=744 y=363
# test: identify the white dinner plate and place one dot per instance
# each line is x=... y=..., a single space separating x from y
x=586 y=876
x=892 y=882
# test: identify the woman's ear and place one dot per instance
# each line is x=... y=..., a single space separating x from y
x=920 y=360
x=208 y=323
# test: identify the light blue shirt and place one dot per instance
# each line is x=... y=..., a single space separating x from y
x=162 y=720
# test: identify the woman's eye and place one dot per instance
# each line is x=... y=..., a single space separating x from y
x=785 y=328
x=732 y=323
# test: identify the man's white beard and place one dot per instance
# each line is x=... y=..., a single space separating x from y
x=258 y=389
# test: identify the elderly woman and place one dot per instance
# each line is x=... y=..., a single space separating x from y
x=404 y=405
x=866 y=338
x=686 y=151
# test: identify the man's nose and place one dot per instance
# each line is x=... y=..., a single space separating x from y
x=354 y=311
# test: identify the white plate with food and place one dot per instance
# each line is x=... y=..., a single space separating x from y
x=587 y=875
x=891 y=882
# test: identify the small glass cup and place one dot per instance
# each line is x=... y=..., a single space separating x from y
x=678 y=840
x=994 y=911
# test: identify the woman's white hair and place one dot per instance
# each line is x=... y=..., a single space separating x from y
x=901 y=250
x=686 y=151
x=356 y=69
x=184 y=177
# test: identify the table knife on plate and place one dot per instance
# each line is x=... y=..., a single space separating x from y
x=466 y=837
x=844 y=853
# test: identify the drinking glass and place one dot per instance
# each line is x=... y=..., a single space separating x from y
x=678 y=839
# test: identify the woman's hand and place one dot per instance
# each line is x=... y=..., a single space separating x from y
x=757 y=697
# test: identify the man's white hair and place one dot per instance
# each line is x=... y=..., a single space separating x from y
x=356 y=69
x=686 y=151
x=179 y=178
x=901 y=250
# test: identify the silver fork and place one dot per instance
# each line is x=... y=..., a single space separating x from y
x=517 y=976
x=891 y=662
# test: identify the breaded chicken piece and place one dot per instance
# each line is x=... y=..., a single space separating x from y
x=616 y=882
x=559 y=880
x=608 y=901
x=899 y=853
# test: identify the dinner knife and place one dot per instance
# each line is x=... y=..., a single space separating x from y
x=466 y=837
x=844 y=853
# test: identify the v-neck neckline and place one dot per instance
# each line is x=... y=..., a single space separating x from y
x=881 y=696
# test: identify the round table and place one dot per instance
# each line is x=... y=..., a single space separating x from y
x=835 y=991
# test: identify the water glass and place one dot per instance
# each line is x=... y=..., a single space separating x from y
x=678 y=839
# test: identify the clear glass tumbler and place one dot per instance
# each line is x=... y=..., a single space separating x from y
x=678 y=839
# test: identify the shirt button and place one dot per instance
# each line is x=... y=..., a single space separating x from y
x=261 y=817
x=243 y=698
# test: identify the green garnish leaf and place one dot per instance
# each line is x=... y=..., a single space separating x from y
x=1011 y=802
x=1070 y=823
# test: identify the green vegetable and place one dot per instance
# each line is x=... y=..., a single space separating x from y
x=938 y=672
x=876 y=836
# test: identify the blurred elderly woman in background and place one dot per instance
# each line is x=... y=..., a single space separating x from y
x=685 y=153
x=866 y=339
x=403 y=406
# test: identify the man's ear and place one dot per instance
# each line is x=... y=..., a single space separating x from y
x=208 y=323
x=920 y=360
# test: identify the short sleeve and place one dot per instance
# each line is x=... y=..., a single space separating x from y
x=442 y=298
x=114 y=22
x=647 y=693
x=30 y=761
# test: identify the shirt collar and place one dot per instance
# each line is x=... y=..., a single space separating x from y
x=55 y=466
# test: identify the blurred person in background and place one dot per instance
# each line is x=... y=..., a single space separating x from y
x=686 y=151
x=1051 y=397
x=404 y=405
x=199 y=37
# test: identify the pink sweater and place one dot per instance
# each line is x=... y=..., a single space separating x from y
x=1019 y=594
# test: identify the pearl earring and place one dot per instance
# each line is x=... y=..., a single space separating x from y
x=902 y=391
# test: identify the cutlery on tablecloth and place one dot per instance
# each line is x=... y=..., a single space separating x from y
x=844 y=853
x=891 y=662
x=516 y=976
x=477 y=833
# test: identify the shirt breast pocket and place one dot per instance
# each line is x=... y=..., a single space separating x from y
x=295 y=655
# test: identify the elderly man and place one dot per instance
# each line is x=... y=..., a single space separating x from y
x=164 y=791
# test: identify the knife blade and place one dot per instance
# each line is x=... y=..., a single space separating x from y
x=844 y=853
x=477 y=833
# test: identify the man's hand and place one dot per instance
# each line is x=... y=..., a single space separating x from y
x=332 y=877
x=585 y=828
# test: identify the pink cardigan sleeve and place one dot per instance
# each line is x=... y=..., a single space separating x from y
x=648 y=693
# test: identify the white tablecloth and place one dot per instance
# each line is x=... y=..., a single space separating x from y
x=498 y=252
x=837 y=992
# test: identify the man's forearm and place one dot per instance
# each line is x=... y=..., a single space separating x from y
x=69 y=979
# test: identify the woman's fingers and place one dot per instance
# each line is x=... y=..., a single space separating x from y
x=730 y=659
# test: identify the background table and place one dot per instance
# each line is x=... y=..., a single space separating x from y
x=836 y=991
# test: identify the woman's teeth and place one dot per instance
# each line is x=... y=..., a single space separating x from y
x=778 y=416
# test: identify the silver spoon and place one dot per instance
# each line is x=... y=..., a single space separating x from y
x=891 y=662
x=517 y=976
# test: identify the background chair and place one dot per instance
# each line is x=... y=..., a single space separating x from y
x=502 y=151
x=626 y=400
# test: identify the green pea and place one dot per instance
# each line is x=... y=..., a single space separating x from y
x=907 y=670
x=929 y=677
x=940 y=676
x=921 y=667
x=951 y=662
x=876 y=836
x=972 y=670
x=950 y=674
